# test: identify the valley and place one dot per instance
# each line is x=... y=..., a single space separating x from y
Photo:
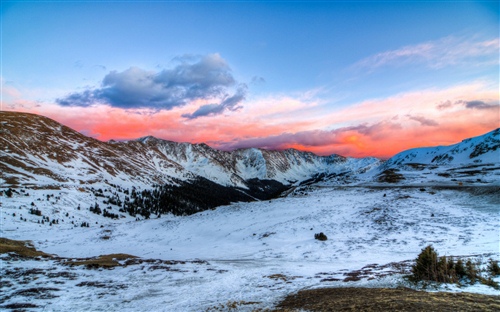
x=253 y=252
x=88 y=205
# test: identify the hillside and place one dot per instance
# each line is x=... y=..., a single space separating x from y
x=482 y=149
x=474 y=160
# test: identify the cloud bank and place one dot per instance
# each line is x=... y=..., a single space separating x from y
x=208 y=78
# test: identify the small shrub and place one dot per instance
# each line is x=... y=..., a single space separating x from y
x=460 y=269
x=430 y=267
x=320 y=236
x=95 y=209
x=35 y=212
x=490 y=282
x=471 y=272
x=493 y=268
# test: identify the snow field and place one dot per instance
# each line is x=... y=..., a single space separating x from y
x=253 y=252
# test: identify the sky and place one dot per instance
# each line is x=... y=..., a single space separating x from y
x=355 y=78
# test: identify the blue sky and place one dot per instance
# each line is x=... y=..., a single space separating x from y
x=329 y=56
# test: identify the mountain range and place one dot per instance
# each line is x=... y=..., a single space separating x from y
x=39 y=152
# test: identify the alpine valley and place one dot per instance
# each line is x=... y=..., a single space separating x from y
x=150 y=224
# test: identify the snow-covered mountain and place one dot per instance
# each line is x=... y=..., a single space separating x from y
x=474 y=160
x=38 y=150
x=478 y=150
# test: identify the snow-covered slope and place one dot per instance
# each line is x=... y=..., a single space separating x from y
x=245 y=256
x=36 y=150
x=234 y=168
x=472 y=161
x=478 y=150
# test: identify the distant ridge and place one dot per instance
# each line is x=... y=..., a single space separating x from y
x=37 y=150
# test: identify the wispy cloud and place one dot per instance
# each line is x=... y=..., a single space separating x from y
x=436 y=54
x=424 y=121
x=195 y=78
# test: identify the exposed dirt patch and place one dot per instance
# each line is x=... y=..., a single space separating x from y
x=384 y=299
x=281 y=277
x=233 y=306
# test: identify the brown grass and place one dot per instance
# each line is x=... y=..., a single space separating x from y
x=103 y=261
x=21 y=248
x=233 y=306
x=384 y=299
x=26 y=249
x=281 y=277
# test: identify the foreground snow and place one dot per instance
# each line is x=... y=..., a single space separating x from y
x=249 y=253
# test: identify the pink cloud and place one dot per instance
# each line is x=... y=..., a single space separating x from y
x=368 y=128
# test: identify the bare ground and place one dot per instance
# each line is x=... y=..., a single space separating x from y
x=385 y=299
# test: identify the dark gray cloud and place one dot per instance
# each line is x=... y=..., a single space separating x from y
x=207 y=77
x=423 y=121
x=312 y=137
x=85 y=98
x=474 y=104
x=477 y=105
x=229 y=103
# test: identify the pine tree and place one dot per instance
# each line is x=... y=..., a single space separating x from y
x=426 y=265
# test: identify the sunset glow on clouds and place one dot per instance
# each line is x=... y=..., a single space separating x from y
x=430 y=92
x=379 y=127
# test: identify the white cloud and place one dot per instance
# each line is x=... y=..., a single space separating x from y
x=436 y=54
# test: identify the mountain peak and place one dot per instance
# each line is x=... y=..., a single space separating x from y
x=147 y=138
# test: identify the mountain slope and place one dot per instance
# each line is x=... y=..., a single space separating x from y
x=38 y=150
x=480 y=149
x=474 y=160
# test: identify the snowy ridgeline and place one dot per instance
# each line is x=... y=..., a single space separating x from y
x=248 y=254
x=38 y=151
